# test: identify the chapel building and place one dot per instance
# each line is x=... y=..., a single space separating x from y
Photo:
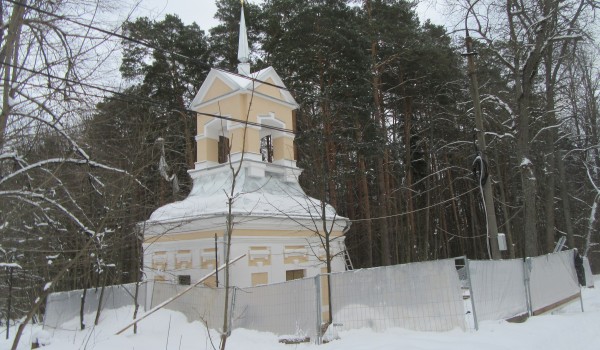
x=245 y=120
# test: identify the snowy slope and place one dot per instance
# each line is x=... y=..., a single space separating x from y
x=568 y=328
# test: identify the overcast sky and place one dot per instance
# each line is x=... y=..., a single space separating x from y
x=199 y=11
x=203 y=11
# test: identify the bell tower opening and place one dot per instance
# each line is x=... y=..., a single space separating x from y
x=266 y=149
x=224 y=149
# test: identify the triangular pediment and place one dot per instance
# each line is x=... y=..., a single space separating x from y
x=217 y=89
x=220 y=84
x=216 y=85
x=269 y=89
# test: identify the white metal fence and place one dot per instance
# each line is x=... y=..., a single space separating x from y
x=426 y=296
x=423 y=296
x=552 y=280
x=498 y=288
x=200 y=304
x=64 y=306
x=290 y=309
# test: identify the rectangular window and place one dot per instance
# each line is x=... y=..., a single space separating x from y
x=294 y=274
x=260 y=278
x=184 y=280
x=183 y=259
x=259 y=256
x=295 y=254
x=159 y=261
x=208 y=258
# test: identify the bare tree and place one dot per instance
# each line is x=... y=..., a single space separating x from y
x=522 y=36
x=581 y=97
x=233 y=193
x=49 y=53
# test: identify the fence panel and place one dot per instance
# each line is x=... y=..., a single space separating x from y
x=64 y=306
x=498 y=288
x=286 y=309
x=199 y=304
x=422 y=296
x=552 y=280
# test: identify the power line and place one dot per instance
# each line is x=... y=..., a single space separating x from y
x=143 y=99
x=202 y=63
x=417 y=210
x=104 y=31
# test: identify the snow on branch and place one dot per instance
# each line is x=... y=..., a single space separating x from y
x=567 y=37
x=547 y=128
x=75 y=161
x=25 y=196
x=9 y=155
x=591 y=179
x=501 y=136
x=526 y=163
x=10 y=265
x=501 y=104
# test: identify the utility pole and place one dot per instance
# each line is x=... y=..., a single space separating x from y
x=485 y=184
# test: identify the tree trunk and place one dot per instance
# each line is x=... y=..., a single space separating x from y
x=457 y=221
x=366 y=210
x=8 y=55
x=564 y=193
x=82 y=308
x=383 y=213
x=410 y=215
x=549 y=199
x=330 y=161
x=101 y=298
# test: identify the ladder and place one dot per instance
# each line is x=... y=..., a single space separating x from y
x=347 y=260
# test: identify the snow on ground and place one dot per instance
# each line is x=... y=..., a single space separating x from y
x=568 y=328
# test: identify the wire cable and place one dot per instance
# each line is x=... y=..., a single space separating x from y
x=195 y=60
x=416 y=210
x=139 y=98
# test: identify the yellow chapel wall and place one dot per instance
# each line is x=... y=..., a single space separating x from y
x=266 y=261
x=186 y=236
x=237 y=107
x=217 y=89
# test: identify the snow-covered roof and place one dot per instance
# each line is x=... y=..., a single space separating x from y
x=240 y=83
x=271 y=196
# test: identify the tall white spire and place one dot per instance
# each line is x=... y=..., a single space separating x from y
x=243 y=48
